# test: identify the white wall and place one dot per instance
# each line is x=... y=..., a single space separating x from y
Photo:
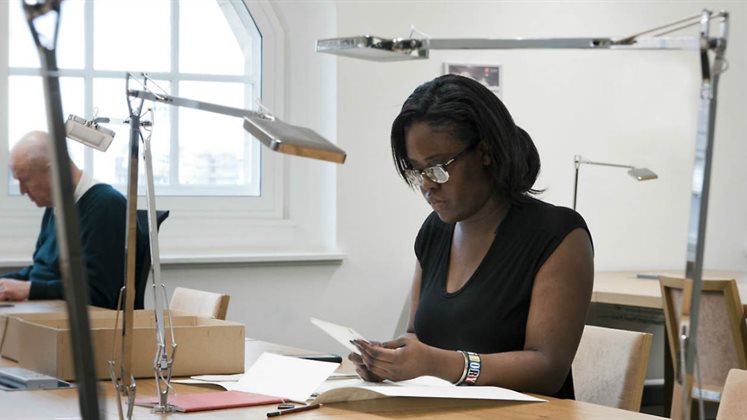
x=627 y=107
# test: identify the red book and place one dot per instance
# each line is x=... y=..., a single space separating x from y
x=214 y=400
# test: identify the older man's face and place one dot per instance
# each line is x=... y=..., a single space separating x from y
x=34 y=182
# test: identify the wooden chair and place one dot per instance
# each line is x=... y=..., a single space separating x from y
x=610 y=367
x=199 y=302
x=733 y=403
x=721 y=341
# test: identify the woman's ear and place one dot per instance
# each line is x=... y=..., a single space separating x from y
x=486 y=159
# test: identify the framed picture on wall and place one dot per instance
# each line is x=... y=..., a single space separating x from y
x=489 y=75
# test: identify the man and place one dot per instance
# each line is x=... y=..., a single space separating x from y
x=101 y=214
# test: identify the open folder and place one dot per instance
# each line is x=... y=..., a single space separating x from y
x=422 y=387
x=213 y=400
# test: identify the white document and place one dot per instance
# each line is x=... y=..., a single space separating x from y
x=424 y=386
x=218 y=378
x=272 y=374
x=342 y=334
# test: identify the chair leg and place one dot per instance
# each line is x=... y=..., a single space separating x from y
x=676 y=409
x=677 y=400
x=677 y=396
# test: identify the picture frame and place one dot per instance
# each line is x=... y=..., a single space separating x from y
x=490 y=75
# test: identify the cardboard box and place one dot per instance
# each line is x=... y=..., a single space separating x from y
x=10 y=344
x=204 y=345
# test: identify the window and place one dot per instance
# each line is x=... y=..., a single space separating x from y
x=207 y=50
x=214 y=217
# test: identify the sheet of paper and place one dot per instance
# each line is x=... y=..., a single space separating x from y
x=424 y=386
x=287 y=377
x=227 y=385
x=283 y=376
x=219 y=378
x=471 y=392
x=342 y=334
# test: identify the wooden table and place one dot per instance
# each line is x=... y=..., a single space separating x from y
x=625 y=288
x=64 y=404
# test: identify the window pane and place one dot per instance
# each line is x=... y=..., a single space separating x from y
x=213 y=148
x=28 y=109
x=22 y=49
x=216 y=51
x=132 y=34
x=207 y=154
x=70 y=43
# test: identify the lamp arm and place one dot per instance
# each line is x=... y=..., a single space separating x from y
x=124 y=383
x=163 y=362
x=615 y=165
x=633 y=42
x=191 y=103
x=594 y=43
x=270 y=131
x=578 y=161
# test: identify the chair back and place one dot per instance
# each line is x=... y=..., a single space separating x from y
x=199 y=302
x=722 y=334
x=733 y=402
x=143 y=260
x=610 y=367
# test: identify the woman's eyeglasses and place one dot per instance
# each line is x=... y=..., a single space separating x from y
x=436 y=173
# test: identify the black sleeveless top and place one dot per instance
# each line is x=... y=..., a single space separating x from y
x=489 y=313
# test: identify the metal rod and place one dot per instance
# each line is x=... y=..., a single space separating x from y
x=575 y=186
x=124 y=383
x=190 y=103
x=614 y=165
x=645 y=43
x=163 y=362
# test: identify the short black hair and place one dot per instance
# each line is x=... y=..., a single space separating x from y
x=473 y=114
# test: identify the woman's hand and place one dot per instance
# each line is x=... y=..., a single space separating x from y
x=400 y=359
x=362 y=370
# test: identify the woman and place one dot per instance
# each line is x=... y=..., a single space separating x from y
x=503 y=281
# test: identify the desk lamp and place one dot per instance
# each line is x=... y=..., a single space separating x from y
x=43 y=18
x=270 y=131
x=641 y=174
x=710 y=49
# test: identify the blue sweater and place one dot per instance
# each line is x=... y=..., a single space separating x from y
x=102 y=213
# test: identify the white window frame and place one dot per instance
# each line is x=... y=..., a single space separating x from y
x=218 y=228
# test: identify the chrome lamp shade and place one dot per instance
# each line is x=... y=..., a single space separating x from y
x=89 y=133
x=373 y=48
